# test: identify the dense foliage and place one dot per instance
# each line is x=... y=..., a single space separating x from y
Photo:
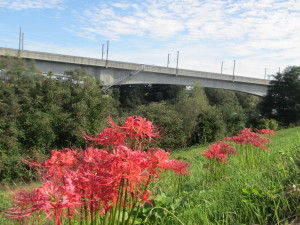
x=238 y=184
x=282 y=101
x=170 y=123
x=131 y=96
x=39 y=113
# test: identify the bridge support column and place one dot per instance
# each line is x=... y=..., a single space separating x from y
x=107 y=75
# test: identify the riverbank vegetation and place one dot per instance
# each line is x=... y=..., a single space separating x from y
x=41 y=112
x=253 y=179
x=244 y=183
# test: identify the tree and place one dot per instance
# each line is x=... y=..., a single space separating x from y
x=162 y=92
x=209 y=126
x=39 y=113
x=133 y=95
x=189 y=105
x=234 y=118
x=282 y=101
x=228 y=103
x=219 y=97
x=169 y=122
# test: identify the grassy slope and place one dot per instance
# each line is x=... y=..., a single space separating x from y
x=261 y=195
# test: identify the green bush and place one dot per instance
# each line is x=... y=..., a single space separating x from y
x=267 y=124
x=169 y=122
x=38 y=114
x=209 y=127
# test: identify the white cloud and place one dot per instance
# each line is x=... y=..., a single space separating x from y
x=150 y=18
x=190 y=20
x=30 y=4
x=258 y=34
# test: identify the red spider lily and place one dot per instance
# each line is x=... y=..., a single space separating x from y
x=134 y=133
x=99 y=179
x=62 y=158
x=179 y=167
x=266 y=131
x=219 y=151
x=158 y=160
x=60 y=162
x=146 y=197
x=224 y=147
x=139 y=128
x=249 y=137
x=108 y=137
x=97 y=176
x=51 y=199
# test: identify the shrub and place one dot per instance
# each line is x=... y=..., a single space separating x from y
x=171 y=124
x=209 y=127
x=267 y=124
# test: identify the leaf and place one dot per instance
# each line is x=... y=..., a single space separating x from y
x=138 y=221
x=244 y=190
x=253 y=190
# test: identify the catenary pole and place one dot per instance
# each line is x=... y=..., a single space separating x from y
x=102 y=51
x=106 y=63
x=233 y=70
x=22 y=41
x=20 y=38
x=265 y=73
x=222 y=67
x=177 y=63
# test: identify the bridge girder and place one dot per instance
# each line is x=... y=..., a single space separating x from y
x=111 y=71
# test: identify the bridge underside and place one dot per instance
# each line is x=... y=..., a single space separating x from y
x=151 y=78
x=111 y=75
x=119 y=73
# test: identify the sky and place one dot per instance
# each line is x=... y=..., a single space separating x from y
x=260 y=36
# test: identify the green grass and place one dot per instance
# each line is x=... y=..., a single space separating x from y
x=5 y=199
x=4 y=202
x=261 y=195
x=266 y=193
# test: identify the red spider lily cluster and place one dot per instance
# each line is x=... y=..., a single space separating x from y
x=219 y=151
x=135 y=133
x=247 y=136
x=100 y=181
x=266 y=131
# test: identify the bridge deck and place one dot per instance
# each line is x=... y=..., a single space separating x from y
x=126 y=66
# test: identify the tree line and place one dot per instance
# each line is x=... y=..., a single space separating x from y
x=39 y=113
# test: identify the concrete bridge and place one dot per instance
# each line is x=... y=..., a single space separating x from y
x=120 y=73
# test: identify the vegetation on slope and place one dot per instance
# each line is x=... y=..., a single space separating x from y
x=266 y=192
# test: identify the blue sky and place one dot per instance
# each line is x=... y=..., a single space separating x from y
x=257 y=34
